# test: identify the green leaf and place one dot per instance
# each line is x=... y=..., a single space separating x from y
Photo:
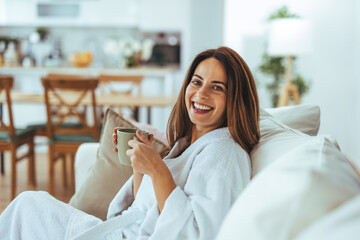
x=303 y=86
x=283 y=12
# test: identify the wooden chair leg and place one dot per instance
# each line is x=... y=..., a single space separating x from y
x=136 y=113
x=31 y=165
x=51 y=170
x=2 y=163
x=64 y=170
x=72 y=170
x=13 y=173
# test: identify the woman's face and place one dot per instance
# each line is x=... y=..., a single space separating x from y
x=205 y=96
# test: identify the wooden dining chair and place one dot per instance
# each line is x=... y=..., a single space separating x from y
x=11 y=138
x=65 y=99
x=40 y=128
x=134 y=87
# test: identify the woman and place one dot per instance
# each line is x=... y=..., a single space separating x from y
x=186 y=195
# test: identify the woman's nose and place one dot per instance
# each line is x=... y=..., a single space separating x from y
x=203 y=92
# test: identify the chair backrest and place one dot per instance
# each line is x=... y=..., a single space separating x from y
x=135 y=81
x=65 y=97
x=6 y=83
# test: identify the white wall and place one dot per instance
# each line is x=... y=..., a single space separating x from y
x=2 y=11
x=206 y=25
x=357 y=59
x=331 y=67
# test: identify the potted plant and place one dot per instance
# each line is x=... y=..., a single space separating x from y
x=43 y=33
x=275 y=66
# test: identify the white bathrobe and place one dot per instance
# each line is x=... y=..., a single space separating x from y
x=209 y=174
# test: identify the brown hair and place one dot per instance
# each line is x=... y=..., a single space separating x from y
x=242 y=111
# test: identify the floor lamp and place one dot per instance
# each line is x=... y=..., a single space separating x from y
x=289 y=38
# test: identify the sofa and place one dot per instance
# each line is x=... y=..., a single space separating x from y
x=302 y=186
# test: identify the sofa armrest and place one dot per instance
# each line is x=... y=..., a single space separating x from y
x=85 y=158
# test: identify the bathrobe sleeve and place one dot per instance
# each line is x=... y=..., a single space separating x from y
x=218 y=174
x=123 y=199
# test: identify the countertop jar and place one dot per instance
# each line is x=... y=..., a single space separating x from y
x=10 y=56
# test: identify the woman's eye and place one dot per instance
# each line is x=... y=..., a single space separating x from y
x=218 y=88
x=196 y=82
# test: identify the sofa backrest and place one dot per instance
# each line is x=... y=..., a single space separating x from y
x=297 y=180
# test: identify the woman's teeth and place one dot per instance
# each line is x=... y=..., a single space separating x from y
x=202 y=107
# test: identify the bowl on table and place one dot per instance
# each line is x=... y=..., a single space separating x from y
x=82 y=59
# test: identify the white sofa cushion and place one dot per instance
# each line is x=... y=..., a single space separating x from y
x=281 y=131
x=300 y=187
x=342 y=223
x=276 y=140
x=85 y=158
x=305 y=117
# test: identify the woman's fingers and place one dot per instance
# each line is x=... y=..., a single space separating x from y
x=114 y=136
x=114 y=141
x=116 y=128
x=129 y=152
x=132 y=143
x=151 y=137
x=141 y=137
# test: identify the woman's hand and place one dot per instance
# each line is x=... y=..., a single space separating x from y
x=137 y=175
x=144 y=157
x=114 y=136
x=146 y=160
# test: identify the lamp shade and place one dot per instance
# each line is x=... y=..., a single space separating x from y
x=289 y=37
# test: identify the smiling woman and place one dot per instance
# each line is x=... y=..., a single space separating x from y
x=185 y=195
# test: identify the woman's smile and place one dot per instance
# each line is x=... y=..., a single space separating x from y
x=201 y=108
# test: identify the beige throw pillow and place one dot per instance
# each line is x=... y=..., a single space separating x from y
x=107 y=175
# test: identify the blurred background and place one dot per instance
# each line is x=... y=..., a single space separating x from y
x=52 y=33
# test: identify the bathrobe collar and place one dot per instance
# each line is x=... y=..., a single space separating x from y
x=183 y=144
